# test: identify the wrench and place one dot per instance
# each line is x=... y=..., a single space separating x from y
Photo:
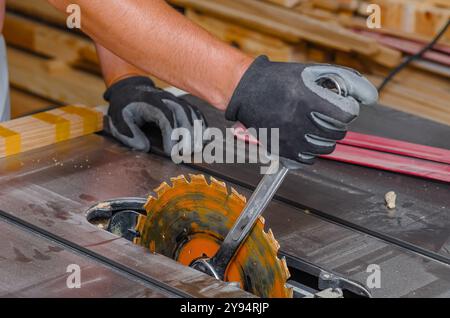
x=261 y=197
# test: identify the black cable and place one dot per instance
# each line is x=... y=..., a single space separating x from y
x=411 y=58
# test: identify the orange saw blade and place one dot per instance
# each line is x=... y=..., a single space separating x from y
x=189 y=220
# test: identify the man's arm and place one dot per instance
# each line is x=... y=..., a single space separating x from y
x=259 y=93
x=115 y=69
x=162 y=42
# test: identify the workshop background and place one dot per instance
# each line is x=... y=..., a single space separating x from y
x=51 y=65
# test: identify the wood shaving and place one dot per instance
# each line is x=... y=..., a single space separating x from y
x=390 y=198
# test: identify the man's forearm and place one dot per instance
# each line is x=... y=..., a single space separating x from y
x=114 y=68
x=155 y=38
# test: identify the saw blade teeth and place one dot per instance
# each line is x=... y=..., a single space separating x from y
x=163 y=188
x=237 y=195
x=289 y=292
x=285 y=268
x=198 y=179
x=180 y=180
x=282 y=265
x=218 y=185
x=263 y=220
x=152 y=247
x=150 y=201
x=140 y=225
x=273 y=241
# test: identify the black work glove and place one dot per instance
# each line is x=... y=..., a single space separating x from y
x=292 y=97
x=136 y=105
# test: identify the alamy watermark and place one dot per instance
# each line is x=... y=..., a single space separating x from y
x=73 y=281
x=74 y=19
x=373 y=281
x=212 y=145
x=374 y=19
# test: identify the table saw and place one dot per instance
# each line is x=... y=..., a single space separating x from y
x=330 y=220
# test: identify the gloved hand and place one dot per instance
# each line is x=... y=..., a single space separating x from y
x=135 y=103
x=289 y=96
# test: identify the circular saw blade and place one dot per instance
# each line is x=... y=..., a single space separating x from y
x=190 y=219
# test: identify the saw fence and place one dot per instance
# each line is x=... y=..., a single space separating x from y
x=51 y=65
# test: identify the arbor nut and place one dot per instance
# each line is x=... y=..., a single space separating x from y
x=390 y=198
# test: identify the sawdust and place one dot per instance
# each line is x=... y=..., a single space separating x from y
x=103 y=206
x=390 y=198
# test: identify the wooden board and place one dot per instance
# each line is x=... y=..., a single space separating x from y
x=261 y=17
x=417 y=97
x=24 y=103
x=252 y=42
x=289 y=25
x=39 y=8
x=286 y=3
x=421 y=18
x=46 y=128
x=54 y=80
x=48 y=41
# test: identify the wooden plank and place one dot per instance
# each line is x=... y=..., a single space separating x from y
x=430 y=20
x=410 y=99
x=416 y=17
x=421 y=81
x=392 y=27
x=251 y=42
x=331 y=5
x=286 y=3
x=398 y=102
x=292 y=26
x=439 y=3
x=423 y=98
x=37 y=8
x=62 y=84
x=277 y=21
x=48 y=41
x=432 y=67
x=283 y=23
x=46 y=128
x=23 y=103
x=409 y=47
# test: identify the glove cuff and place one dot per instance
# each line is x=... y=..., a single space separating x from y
x=241 y=94
x=127 y=82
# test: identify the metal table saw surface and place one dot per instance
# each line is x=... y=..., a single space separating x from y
x=330 y=214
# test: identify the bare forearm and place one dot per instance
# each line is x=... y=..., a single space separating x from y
x=114 y=68
x=155 y=38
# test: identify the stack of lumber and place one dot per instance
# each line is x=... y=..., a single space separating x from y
x=49 y=65
x=48 y=62
x=333 y=32
x=421 y=18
